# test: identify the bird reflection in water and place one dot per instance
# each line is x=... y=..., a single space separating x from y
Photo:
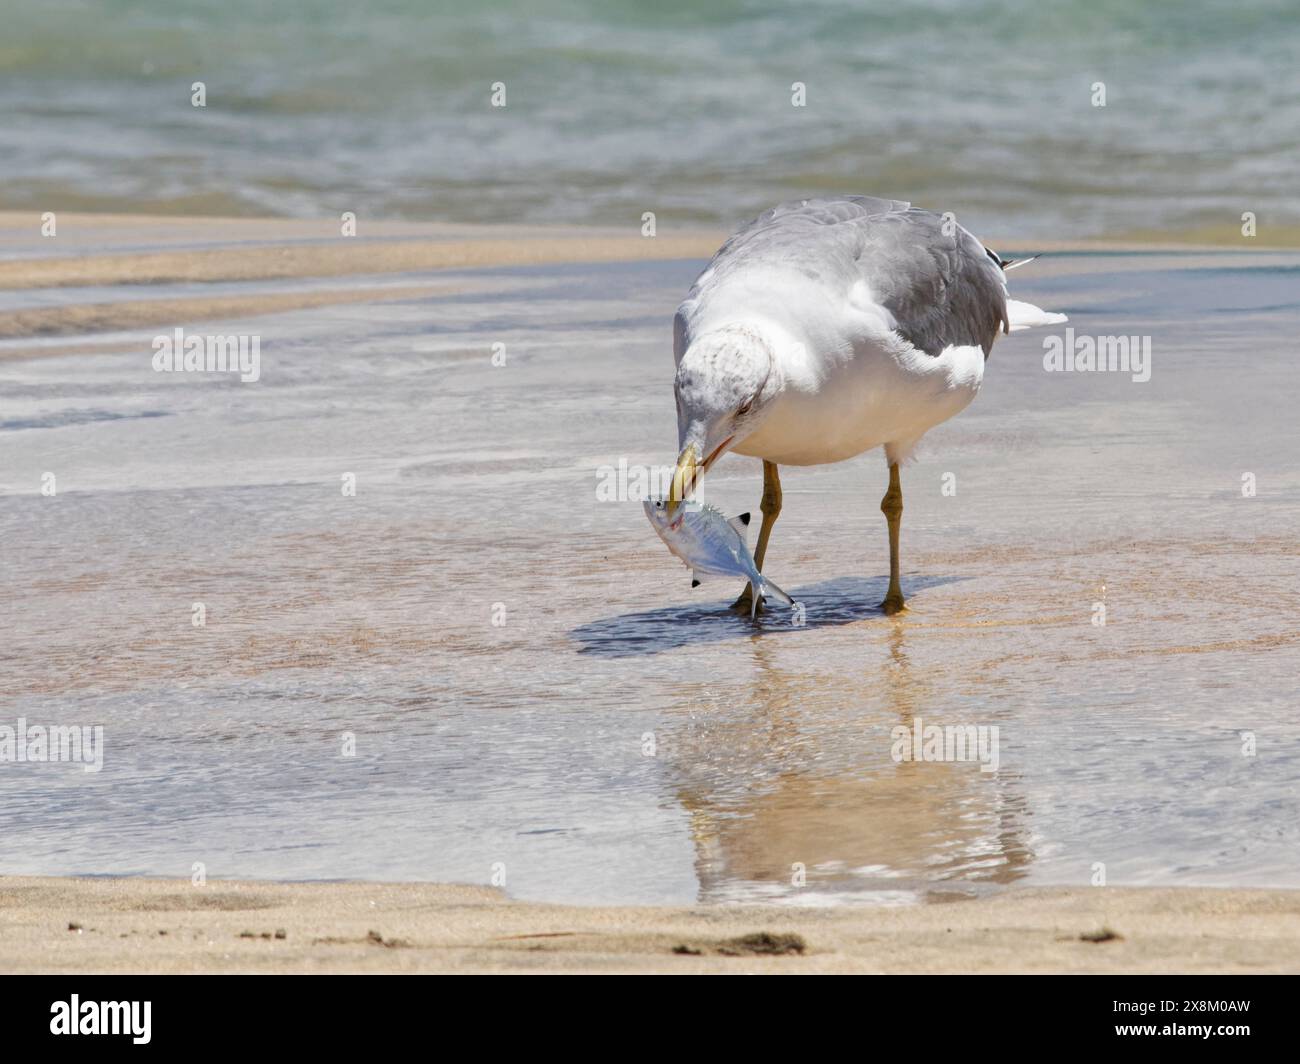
x=794 y=771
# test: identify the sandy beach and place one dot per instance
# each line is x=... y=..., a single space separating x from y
x=336 y=366
x=103 y=254
x=171 y=926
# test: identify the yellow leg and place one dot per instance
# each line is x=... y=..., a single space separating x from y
x=770 y=507
x=892 y=507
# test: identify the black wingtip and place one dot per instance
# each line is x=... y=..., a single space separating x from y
x=695 y=583
x=1002 y=263
x=1019 y=262
x=744 y=519
x=1009 y=264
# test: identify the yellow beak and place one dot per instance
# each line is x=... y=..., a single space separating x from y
x=684 y=475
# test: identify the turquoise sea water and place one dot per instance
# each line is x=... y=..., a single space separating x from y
x=612 y=109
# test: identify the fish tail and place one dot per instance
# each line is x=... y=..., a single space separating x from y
x=766 y=588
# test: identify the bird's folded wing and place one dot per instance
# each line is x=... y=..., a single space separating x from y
x=936 y=281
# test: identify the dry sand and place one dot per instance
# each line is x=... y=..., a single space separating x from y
x=130 y=254
x=154 y=925
x=85 y=251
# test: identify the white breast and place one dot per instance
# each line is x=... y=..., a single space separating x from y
x=853 y=384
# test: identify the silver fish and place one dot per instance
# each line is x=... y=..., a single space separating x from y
x=710 y=545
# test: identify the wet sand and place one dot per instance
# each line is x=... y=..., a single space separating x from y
x=524 y=743
x=170 y=926
x=128 y=255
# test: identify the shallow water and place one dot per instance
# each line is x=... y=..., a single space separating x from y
x=616 y=107
x=620 y=737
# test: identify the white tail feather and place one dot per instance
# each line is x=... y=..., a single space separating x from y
x=1028 y=316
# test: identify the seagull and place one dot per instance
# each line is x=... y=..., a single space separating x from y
x=829 y=327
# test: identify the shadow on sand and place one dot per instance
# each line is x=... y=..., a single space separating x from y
x=831 y=602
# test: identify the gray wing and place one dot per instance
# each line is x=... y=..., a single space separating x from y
x=934 y=277
x=799 y=215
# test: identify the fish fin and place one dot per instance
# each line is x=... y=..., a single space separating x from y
x=770 y=589
x=741 y=524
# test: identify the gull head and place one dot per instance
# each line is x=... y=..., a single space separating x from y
x=725 y=384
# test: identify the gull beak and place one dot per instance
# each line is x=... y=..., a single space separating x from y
x=690 y=469
x=685 y=475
